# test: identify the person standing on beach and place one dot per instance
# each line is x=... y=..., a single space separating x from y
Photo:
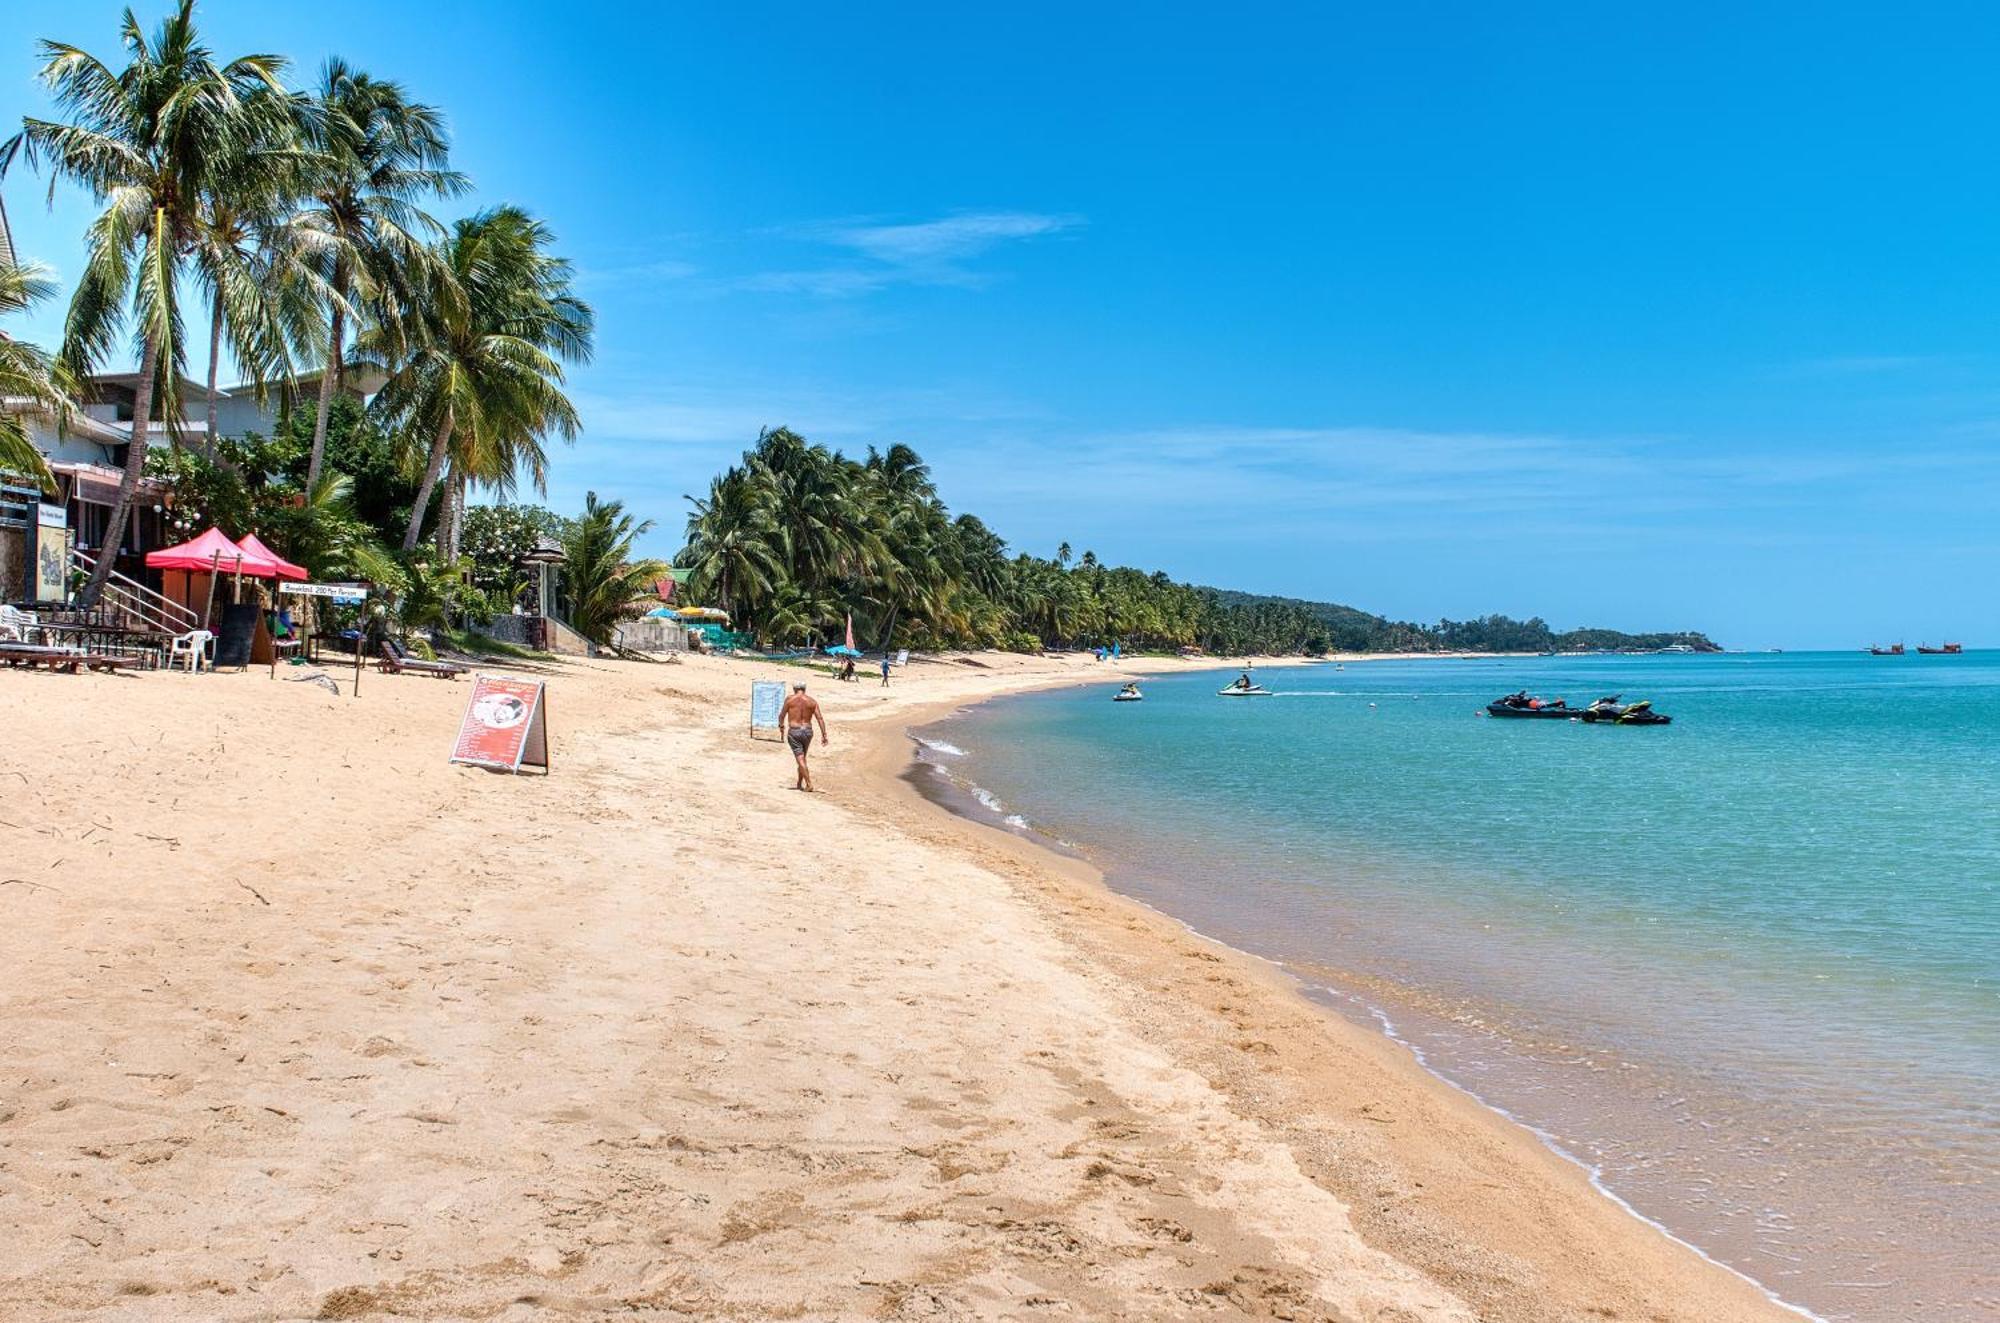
x=800 y=711
x=885 y=670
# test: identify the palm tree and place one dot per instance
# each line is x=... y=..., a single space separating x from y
x=378 y=152
x=730 y=544
x=477 y=362
x=602 y=581
x=28 y=375
x=248 y=253
x=145 y=142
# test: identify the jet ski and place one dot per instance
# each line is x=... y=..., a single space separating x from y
x=1612 y=711
x=1129 y=694
x=1244 y=688
x=1524 y=704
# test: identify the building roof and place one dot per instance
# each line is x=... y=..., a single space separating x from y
x=361 y=380
x=80 y=424
x=190 y=388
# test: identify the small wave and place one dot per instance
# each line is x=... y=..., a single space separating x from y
x=987 y=800
x=939 y=746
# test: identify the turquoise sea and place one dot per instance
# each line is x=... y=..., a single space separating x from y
x=1745 y=967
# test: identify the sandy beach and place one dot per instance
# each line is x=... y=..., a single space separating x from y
x=302 y=1021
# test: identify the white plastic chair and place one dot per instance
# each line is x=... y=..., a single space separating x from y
x=16 y=625
x=195 y=645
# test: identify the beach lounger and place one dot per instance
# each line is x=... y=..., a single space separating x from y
x=394 y=661
x=61 y=659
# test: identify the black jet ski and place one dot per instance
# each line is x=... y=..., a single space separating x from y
x=1525 y=705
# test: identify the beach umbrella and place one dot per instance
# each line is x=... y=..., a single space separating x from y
x=843 y=650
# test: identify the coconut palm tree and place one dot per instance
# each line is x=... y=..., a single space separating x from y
x=378 y=153
x=603 y=583
x=250 y=258
x=145 y=142
x=731 y=544
x=475 y=364
x=27 y=374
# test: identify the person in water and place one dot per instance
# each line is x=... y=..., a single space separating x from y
x=799 y=714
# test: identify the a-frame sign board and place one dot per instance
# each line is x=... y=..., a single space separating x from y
x=506 y=725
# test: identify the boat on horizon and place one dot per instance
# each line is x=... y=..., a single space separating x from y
x=1948 y=650
x=1893 y=650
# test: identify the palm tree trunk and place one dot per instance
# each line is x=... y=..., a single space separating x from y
x=458 y=494
x=214 y=365
x=329 y=377
x=432 y=469
x=447 y=512
x=135 y=464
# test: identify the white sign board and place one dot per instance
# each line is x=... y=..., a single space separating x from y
x=339 y=592
x=767 y=701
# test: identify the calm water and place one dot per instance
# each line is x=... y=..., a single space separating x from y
x=1746 y=967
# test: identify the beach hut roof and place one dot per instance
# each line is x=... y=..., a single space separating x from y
x=254 y=548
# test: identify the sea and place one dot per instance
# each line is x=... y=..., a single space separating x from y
x=1744 y=968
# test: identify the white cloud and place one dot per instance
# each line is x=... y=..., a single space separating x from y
x=934 y=252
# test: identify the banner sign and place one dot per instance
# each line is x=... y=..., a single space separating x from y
x=767 y=700
x=342 y=593
x=50 y=574
x=505 y=725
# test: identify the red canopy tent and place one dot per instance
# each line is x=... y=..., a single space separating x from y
x=255 y=549
x=207 y=554
x=215 y=555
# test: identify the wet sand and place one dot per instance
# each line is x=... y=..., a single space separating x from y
x=302 y=1021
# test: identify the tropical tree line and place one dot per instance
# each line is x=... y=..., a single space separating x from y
x=797 y=540
x=290 y=229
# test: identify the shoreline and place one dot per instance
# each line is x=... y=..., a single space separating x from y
x=894 y=767
x=654 y=1034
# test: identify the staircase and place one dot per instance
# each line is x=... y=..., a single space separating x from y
x=140 y=606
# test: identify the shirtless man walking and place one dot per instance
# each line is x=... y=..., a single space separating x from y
x=797 y=718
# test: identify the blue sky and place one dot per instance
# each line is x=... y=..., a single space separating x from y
x=1680 y=317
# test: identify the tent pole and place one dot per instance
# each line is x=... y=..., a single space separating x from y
x=214 y=568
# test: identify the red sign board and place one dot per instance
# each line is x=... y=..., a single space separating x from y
x=505 y=726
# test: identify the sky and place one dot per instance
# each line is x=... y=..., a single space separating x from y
x=1640 y=317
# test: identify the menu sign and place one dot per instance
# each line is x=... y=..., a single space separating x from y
x=767 y=700
x=505 y=725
